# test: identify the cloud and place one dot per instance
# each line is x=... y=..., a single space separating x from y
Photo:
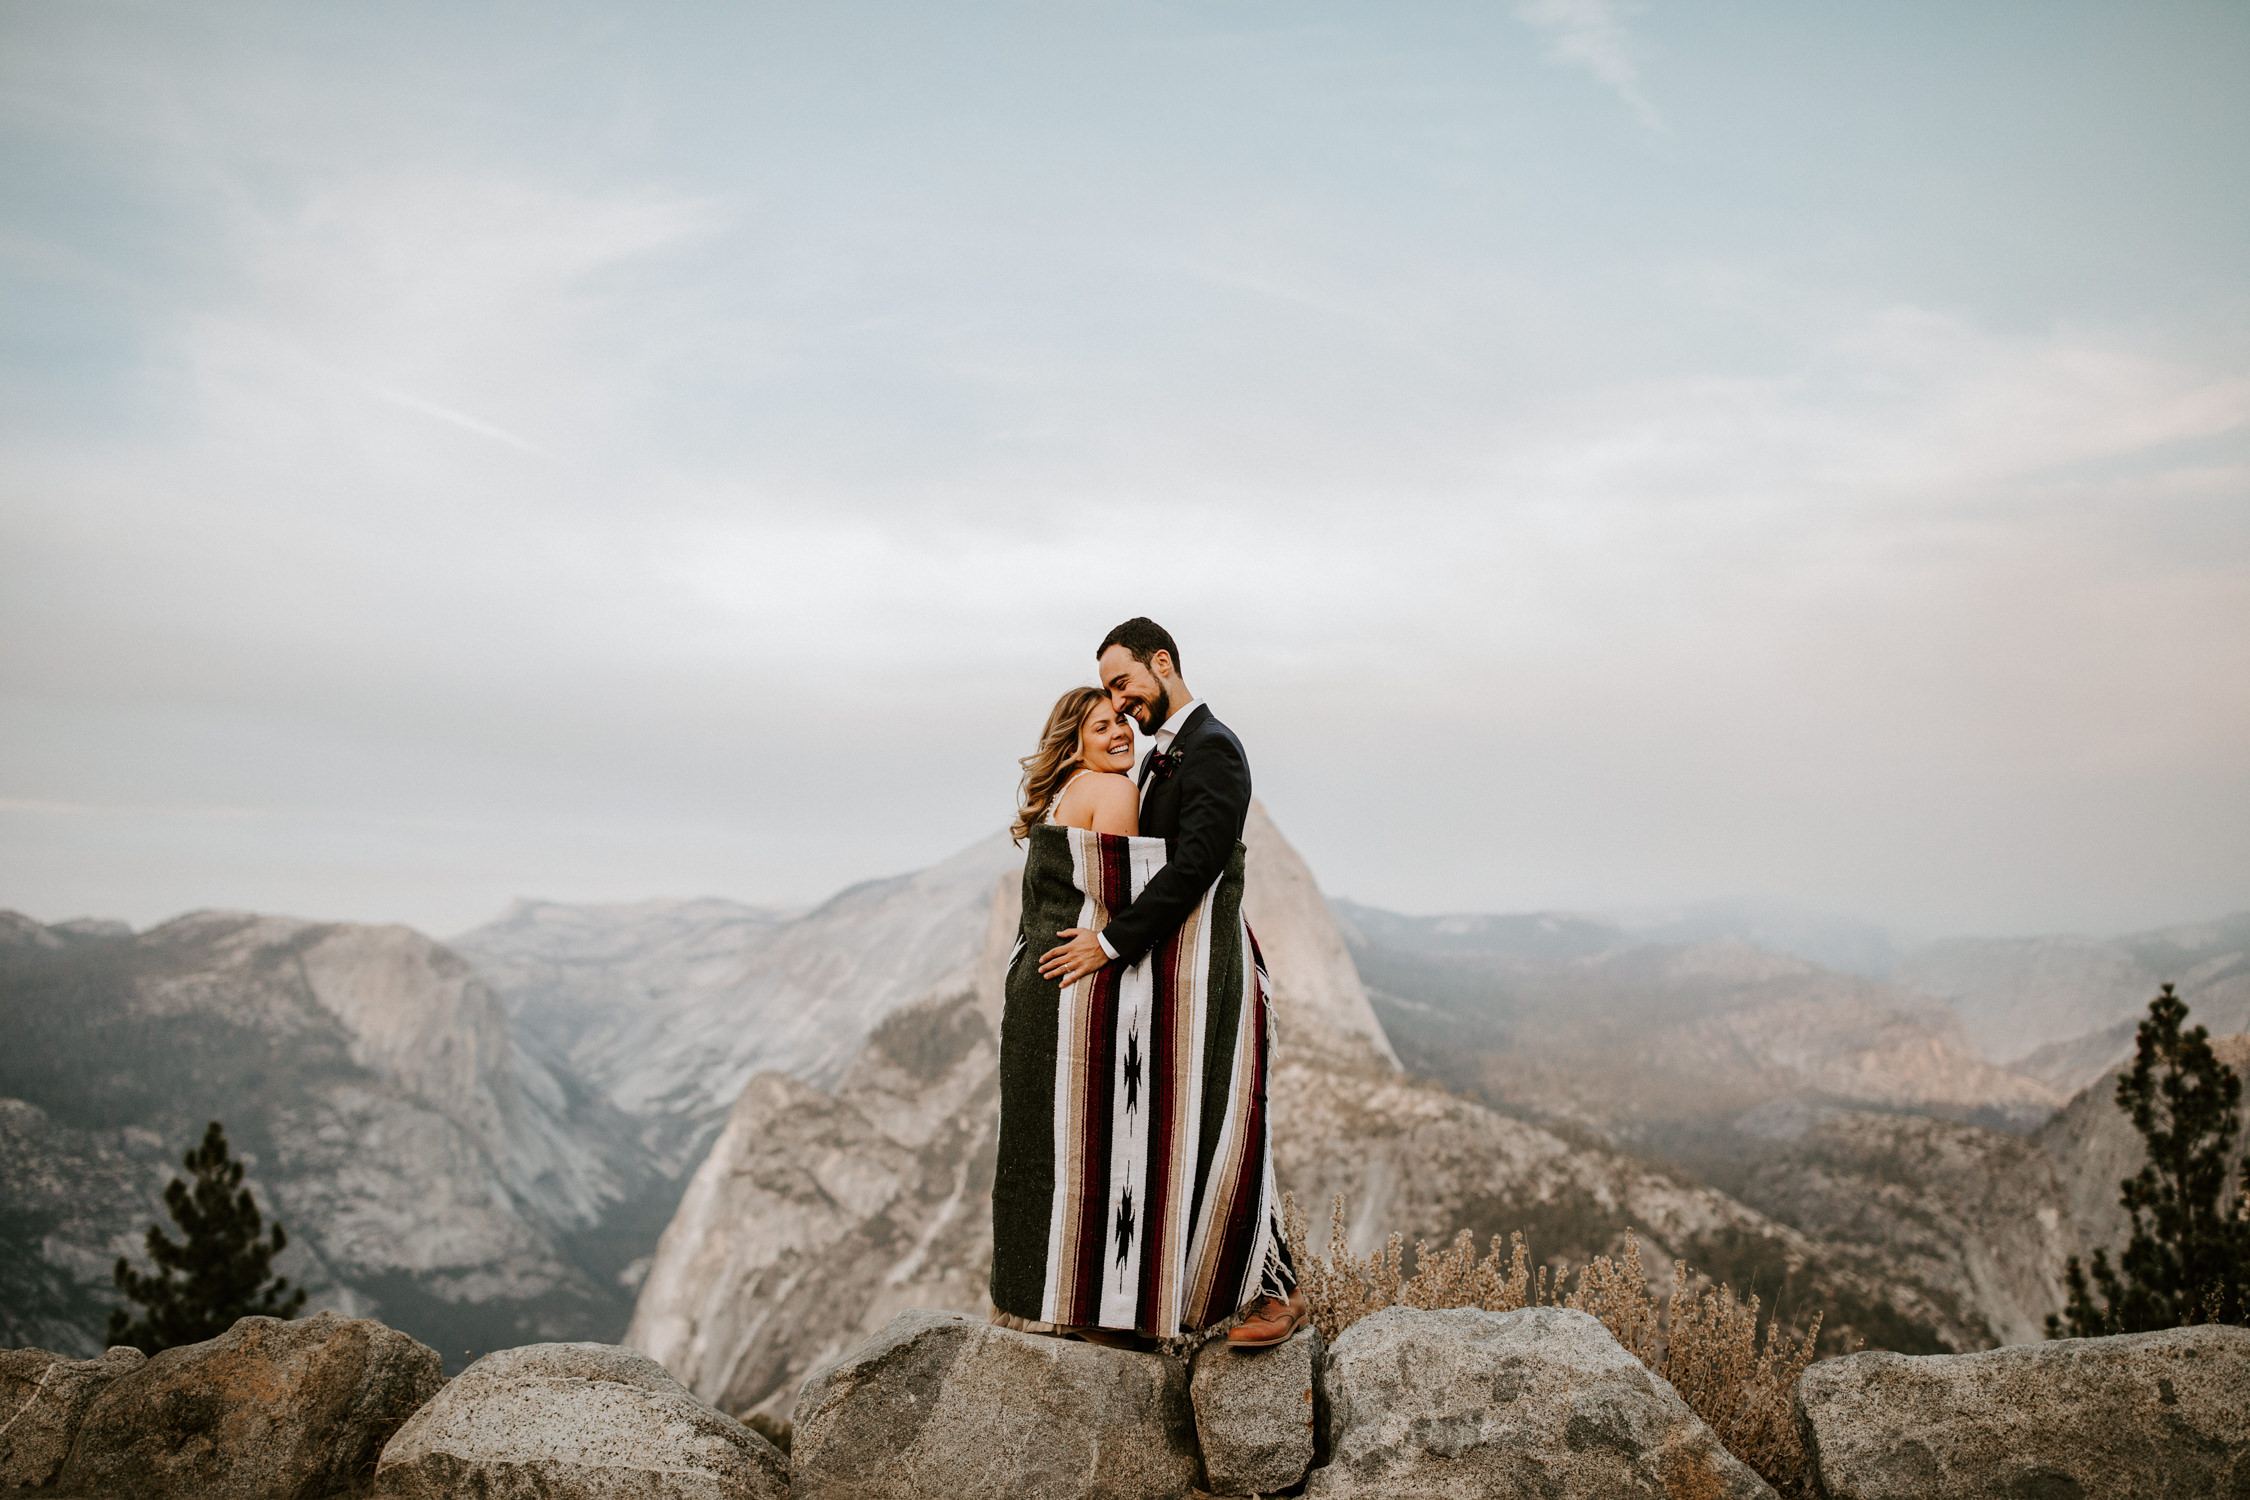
x=639 y=514
x=1591 y=34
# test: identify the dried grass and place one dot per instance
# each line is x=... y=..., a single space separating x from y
x=1706 y=1343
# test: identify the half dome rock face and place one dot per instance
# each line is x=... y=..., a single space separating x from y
x=1321 y=1004
x=668 y=1008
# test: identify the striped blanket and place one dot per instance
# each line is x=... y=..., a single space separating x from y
x=1134 y=1186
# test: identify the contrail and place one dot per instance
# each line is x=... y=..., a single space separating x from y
x=448 y=414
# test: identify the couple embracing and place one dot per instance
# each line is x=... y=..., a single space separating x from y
x=1134 y=1196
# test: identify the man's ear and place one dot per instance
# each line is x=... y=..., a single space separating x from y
x=1160 y=662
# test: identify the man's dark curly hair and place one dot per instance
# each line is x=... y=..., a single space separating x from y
x=1142 y=638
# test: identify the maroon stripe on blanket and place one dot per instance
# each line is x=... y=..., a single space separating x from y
x=1110 y=883
x=1083 y=1297
x=1161 y=1098
x=1243 y=1208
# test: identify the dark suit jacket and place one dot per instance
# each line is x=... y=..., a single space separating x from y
x=1198 y=811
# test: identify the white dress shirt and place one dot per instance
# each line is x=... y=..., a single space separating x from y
x=1164 y=738
x=1172 y=726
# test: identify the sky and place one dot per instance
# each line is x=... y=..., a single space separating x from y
x=1596 y=455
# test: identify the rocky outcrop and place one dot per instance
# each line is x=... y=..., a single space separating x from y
x=939 y=1404
x=43 y=1399
x=1255 y=1414
x=1537 y=1402
x=817 y=1217
x=278 y=1410
x=2151 y=1414
x=576 y=1422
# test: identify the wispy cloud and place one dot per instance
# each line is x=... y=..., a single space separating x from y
x=462 y=420
x=1591 y=34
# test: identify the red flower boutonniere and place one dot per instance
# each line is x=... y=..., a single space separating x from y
x=1162 y=764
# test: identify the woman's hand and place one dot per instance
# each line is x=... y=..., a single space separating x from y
x=1079 y=955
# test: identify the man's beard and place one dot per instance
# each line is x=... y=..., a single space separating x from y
x=1158 y=711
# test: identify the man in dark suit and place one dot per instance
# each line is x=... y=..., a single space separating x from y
x=1195 y=795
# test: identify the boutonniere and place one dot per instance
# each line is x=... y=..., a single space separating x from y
x=1161 y=764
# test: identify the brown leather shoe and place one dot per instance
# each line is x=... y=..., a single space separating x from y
x=1269 y=1321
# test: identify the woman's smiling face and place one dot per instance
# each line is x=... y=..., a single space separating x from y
x=1105 y=741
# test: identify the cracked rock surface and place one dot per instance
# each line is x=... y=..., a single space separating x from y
x=43 y=1398
x=576 y=1422
x=2137 y=1415
x=937 y=1404
x=1254 y=1414
x=279 y=1410
x=1542 y=1402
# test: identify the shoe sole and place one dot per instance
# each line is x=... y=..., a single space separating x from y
x=1279 y=1338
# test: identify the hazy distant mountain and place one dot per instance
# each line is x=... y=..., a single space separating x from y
x=428 y=1167
x=1527 y=935
x=1844 y=944
x=2079 y=997
x=668 y=1008
x=1660 y=1046
x=1757 y=1072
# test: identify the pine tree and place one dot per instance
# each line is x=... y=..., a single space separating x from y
x=2188 y=1261
x=218 y=1275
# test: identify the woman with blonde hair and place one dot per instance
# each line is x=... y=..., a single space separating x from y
x=1079 y=776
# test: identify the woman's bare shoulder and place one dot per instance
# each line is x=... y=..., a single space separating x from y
x=1114 y=802
x=1096 y=793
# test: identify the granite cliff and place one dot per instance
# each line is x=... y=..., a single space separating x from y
x=425 y=1163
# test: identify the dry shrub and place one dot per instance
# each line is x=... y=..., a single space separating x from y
x=1713 y=1359
x=1341 y=1288
x=1706 y=1344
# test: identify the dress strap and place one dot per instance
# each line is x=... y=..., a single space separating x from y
x=1060 y=792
